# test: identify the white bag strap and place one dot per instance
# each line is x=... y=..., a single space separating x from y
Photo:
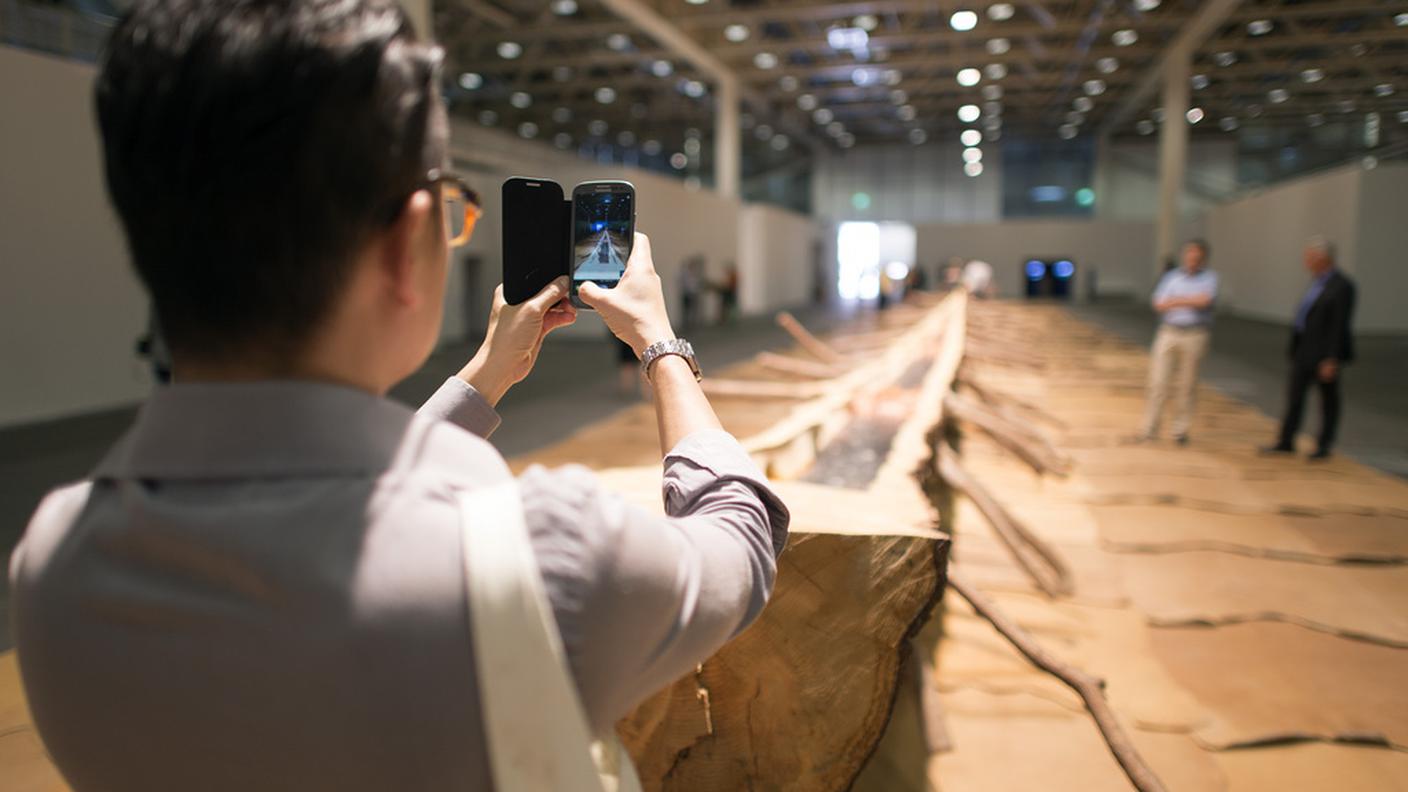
x=536 y=730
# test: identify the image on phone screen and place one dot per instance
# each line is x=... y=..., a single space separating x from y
x=602 y=227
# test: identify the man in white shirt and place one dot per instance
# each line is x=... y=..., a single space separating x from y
x=1183 y=299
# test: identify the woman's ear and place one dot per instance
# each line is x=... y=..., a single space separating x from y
x=401 y=247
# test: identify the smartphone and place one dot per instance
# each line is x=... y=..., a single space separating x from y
x=535 y=236
x=603 y=228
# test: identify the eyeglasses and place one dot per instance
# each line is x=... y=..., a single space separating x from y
x=460 y=203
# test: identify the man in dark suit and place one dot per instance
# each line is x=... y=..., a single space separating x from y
x=1321 y=343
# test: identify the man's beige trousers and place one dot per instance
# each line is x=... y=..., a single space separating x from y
x=1173 y=372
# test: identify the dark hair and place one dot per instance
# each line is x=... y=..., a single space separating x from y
x=1201 y=244
x=251 y=147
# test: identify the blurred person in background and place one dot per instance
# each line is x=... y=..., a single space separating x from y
x=1322 y=343
x=278 y=579
x=1183 y=300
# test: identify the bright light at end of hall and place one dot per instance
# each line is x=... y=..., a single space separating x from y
x=969 y=77
x=969 y=113
x=970 y=137
x=963 y=20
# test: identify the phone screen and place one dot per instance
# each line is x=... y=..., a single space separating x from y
x=534 y=247
x=603 y=223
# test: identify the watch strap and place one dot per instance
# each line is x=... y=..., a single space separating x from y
x=670 y=346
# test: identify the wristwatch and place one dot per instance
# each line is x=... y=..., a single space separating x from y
x=672 y=346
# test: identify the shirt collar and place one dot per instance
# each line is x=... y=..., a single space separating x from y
x=257 y=429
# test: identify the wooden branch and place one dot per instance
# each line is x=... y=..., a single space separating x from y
x=1033 y=449
x=1091 y=689
x=1042 y=563
x=996 y=398
x=787 y=364
x=762 y=389
x=806 y=340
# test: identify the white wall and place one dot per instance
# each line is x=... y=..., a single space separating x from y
x=776 y=258
x=911 y=184
x=1382 y=250
x=1258 y=241
x=70 y=307
x=1116 y=251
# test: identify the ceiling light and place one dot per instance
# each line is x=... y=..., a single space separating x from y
x=779 y=142
x=1312 y=75
x=694 y=89
x=618 y=41
x=471 y=80
x=1225 y=58
x=1345 y=105
x=971 y=154
x=564 y=7
x=1066 y=131
x=998 y=46
x=970 y=137
x=969 y=113
x=696 y=2
x=1315 y=119
x=562 y=73
x=1107 y=65
x=807 y=102
x=765 y=60
x=847 y=39
x=562 y=140
x=736 y=33
x=1358 y=49
x=992 y=92
x=973 y=168
x=998 y=12
x=508 y=50
x=597 y=127
x=1253 y=110
x=1094 y=87
x=863 y=77
x=1383 y=89
x=892 y=76
x=561 y=115
x=1278 y=95
x=1083 y=104
x=994 y=135
x=678 y=160
x=787 y=83
x=1228 y=124
x=1146 y=5
x=846 y=141
x=1199 y=81
x=528 y=129
x=835 y=129
x=627 y=138
x=866 y=22
x=1075 y=118
x=1144 y=127
x=918 y=136
x=488 y=117
x=992 y=124
x=905 y=112
x=969 y=77
x=692 y=146
x=995 y=71
x=520 y=99
x=662 y=68
x=605 y=95
x=763 y=132
x=1125 y=37
x=1194 y=115
x=992 y=108
x=1403 y=116
x=899 y=97
x=1259 y=27
x=823 y=116
x=1401 y=19
x=963 y=20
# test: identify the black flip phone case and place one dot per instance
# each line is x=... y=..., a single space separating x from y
x=519 y=286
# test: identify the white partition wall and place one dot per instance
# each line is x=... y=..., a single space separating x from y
x=70 y=307
x=778 y=258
